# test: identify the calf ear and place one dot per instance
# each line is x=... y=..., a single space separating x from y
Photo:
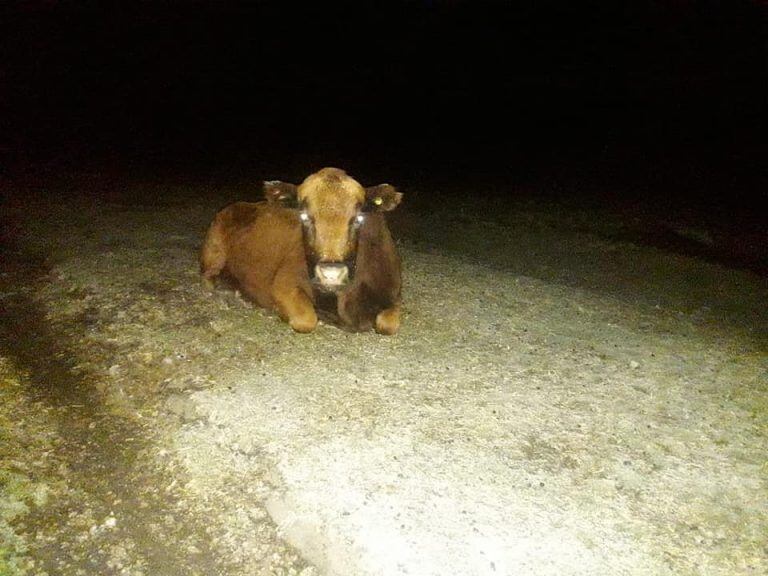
x=282 y=192
x=383 y=197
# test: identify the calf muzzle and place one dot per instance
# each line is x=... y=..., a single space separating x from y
x=332 y=275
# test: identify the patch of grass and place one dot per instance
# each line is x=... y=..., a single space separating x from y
x=15 y=491
x=18 y=492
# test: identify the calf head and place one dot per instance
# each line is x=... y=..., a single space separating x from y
x=333 y=208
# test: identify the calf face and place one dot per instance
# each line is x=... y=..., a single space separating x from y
x=332 y=208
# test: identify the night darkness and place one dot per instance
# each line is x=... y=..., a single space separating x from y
x=657 y=102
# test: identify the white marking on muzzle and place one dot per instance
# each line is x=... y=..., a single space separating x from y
x=332 y=274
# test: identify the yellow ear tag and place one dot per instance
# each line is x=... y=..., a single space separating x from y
x=378 y=201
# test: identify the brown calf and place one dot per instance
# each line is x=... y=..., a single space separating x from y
x=322 y=244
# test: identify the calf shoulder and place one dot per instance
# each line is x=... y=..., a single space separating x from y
x=378 y=263
x=263 y=238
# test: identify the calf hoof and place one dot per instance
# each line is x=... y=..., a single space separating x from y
x=388 y=321
x=304 y=324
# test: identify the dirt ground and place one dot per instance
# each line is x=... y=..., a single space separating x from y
x=561 y=400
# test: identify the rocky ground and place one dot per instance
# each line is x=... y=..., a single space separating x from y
x=562 y=399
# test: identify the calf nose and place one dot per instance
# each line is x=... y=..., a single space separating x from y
x=331 y=273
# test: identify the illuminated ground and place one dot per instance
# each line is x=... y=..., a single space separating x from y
x=560 y=401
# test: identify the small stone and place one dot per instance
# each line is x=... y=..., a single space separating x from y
x=634 y=364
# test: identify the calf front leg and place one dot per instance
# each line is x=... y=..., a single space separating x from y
x=292 y=302
x=359 y=310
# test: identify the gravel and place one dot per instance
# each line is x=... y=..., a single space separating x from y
x=557 y=402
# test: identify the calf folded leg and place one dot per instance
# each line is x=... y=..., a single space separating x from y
x=388 y=320
x=292 y=301
x=361 y=309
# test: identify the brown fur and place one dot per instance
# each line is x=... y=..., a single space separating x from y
x=270 y=253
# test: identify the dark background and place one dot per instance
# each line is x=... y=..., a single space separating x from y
x=662 y=102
